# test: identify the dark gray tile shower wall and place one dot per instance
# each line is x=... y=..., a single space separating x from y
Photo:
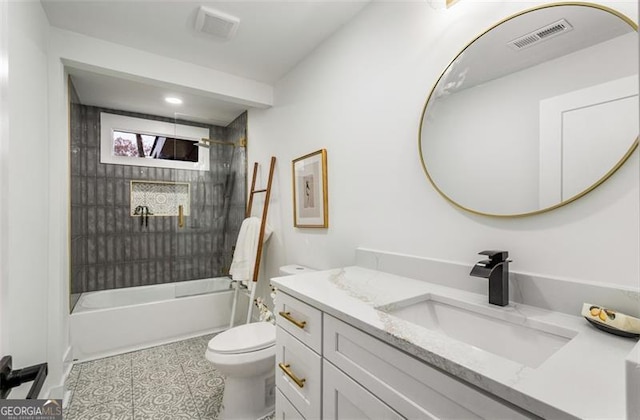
x=109 y=248
x=236 y=133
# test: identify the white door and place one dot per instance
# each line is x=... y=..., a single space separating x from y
x=583 y=135
x=4 y=139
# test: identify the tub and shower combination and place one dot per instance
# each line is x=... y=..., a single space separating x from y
x=112 y=247
x=113 y=321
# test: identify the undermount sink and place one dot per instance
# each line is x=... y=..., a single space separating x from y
x=506 y=334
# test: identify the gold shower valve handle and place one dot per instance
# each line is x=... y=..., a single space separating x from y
x=288 y=317
x=180 y=216
x=287 y=369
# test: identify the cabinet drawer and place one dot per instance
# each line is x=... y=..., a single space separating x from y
x=343 y=398
x=412 y=388
x=284 y=409
x=302 y=321
x=295 y=361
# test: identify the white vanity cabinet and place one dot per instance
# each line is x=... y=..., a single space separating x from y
x=298 y=359
x=353 y=375
x=284 y=409
x=344 y=398
x=410 y=387
x=302 y=321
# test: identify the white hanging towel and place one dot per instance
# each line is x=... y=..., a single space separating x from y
x=244 y=256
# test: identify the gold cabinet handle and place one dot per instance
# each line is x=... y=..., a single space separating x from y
x=286 y=369
x=180 y=216
x=288 y=317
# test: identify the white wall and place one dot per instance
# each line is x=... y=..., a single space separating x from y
x=25 y=199
x=360 y=96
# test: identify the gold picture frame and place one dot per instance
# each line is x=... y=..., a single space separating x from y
x=310 y=204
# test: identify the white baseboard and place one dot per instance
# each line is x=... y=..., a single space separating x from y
x=66 y=399
x=57 y=390
x=68 y=356
x=56 y=393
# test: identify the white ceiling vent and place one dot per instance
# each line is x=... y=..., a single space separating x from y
x=542 y=34
x=214 y=22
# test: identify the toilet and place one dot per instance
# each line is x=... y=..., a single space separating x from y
x=245 y=355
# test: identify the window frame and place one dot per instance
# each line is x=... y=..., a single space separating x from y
x=114 y=122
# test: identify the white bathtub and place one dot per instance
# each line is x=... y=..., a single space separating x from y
x=114 y=321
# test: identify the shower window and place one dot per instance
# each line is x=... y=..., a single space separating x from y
x=141 y=142
x=154 y=147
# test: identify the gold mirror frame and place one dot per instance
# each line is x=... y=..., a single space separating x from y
x=606 y=176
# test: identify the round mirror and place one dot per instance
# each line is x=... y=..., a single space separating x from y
x=535 y=112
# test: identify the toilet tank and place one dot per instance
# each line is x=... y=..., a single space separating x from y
x=290 y=270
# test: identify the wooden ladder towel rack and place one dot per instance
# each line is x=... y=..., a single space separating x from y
x=263 y=221
x=263 y=225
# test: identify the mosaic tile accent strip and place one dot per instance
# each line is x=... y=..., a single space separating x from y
x=162 y=198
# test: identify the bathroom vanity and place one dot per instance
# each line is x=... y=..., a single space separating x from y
x=362 y=343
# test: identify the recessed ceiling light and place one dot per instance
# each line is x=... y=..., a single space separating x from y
x=172 y=100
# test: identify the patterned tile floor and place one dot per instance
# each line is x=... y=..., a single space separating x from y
x=173 y=381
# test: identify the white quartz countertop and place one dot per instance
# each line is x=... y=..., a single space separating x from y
x=584 y=379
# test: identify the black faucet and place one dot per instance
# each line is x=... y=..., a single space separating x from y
x=496 y=269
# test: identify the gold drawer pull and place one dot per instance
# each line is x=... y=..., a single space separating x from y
x=288 y=317
x=294 y=378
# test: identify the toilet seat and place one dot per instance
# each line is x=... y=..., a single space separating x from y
x=245 y=350
x=244 y=339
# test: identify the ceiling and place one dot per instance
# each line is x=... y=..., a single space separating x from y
x=104 y=91
x=273 y=36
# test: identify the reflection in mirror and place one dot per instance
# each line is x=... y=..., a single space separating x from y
x=535 y=112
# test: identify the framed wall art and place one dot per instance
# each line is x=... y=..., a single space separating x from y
x=310 y=207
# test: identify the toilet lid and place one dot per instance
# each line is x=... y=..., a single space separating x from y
x=244 y=338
